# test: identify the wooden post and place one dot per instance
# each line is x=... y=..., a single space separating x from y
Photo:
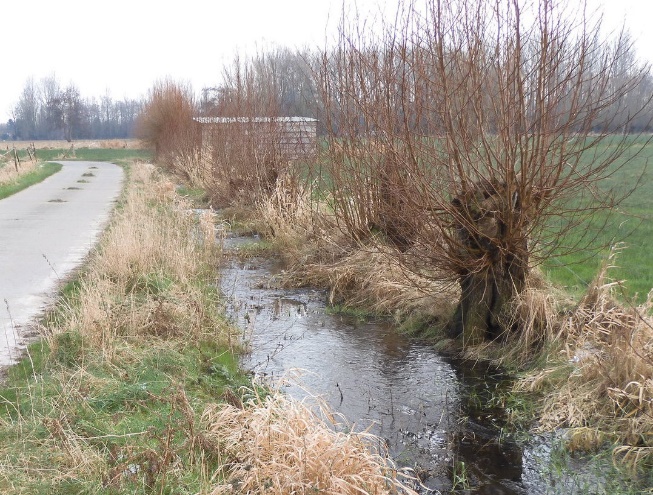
x=16 y=159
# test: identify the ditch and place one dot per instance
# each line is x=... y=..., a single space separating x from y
x=430 y=410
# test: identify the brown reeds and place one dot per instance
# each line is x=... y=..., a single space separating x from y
x=602 y=389
x=278 y=445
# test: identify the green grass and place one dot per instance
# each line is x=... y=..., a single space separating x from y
x=631 y=224
x=197 y=196
x=135 y=418
x=117 y=155
x=41 y=173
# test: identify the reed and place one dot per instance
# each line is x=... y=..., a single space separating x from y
x=600 y=386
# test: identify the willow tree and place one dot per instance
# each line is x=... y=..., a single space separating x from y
x=166 y=125
x=474 y=134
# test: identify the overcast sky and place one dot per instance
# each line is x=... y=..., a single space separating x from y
x=121 y=47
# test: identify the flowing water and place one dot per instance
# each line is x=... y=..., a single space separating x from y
x=428 y=409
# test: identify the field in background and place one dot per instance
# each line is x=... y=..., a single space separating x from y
x=15 y=177
x=631 y=223
x=83 y=143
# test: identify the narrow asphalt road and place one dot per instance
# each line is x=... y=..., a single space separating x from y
x=45 y=233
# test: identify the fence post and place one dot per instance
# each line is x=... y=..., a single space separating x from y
x=16 y=159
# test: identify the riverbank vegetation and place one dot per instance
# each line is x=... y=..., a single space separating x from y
x=464 y=173
x=136 y=376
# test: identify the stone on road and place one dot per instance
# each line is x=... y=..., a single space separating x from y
x=46 y=231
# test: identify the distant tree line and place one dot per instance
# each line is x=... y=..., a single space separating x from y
x=284 y=82
x=47 y=110
x=280 y=82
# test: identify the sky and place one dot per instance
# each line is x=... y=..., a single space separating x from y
x=121 y=48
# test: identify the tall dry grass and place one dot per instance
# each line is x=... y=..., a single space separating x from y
x=276 y=445
x=144 y=282
x=8 y=171
x=372 y=275
x=601 y=384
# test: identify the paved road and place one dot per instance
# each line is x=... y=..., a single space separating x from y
x=45 y=233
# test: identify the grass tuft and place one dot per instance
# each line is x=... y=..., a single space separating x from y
x=600 y=385
x=277 y=445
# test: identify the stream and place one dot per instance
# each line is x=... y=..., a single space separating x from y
x=429 y=409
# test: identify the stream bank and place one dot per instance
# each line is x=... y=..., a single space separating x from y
x=430 y=409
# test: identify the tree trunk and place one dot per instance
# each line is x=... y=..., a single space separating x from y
x=493 y=264
x=483 y=310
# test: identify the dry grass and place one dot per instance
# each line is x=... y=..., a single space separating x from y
x=534 y=313
x=276 y=445
x=8 y=172
x=144 y=282
x=289 y=214
x=601 y=385
x=317 y=253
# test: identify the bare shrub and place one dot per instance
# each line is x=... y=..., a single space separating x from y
x=166 y=125
x=245 y=161
x=243 y=126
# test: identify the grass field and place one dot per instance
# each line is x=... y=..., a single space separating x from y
x=631 y=223
x=92 y=150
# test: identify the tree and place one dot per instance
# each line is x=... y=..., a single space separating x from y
x=277 y=83
x=463 y=138
x=72 y=112
x=26 y=111
x=166 y=124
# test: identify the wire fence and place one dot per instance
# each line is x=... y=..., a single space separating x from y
x=16 y=155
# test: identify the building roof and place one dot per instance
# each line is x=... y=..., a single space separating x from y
x=256 y=120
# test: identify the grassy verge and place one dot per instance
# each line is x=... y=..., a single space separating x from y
x=134 y=387
x=113 y=155
x=38 y=174
x=109 y=400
